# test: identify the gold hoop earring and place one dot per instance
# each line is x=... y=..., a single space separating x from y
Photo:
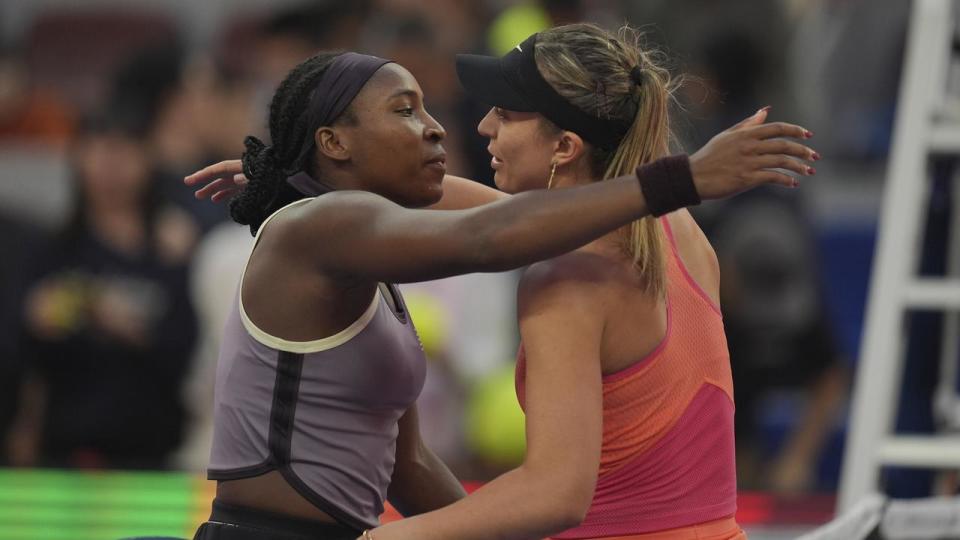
x=553 y=171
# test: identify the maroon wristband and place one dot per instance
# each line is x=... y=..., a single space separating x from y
x=667 y=184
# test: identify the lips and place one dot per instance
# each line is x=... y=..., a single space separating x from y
x=439 y=157
x=495 y=162
x=438 y=162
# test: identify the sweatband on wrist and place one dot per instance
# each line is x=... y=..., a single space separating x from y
x=667 y=184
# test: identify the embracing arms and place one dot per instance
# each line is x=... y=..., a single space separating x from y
x=366 y=236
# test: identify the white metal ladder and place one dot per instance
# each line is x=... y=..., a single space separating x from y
x=920 y=130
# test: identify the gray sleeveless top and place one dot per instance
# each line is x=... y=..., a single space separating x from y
x=324 y=412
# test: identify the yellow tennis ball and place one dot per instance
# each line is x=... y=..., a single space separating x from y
x=514 y=25
x=495 y=423
x=430 y=317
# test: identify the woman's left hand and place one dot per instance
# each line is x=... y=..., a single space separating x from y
x=220 y=181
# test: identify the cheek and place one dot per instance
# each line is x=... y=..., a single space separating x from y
x=522 y=172
x=398 y=148
x=526 y=159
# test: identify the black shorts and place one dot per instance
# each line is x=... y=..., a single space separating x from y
x=229 y=522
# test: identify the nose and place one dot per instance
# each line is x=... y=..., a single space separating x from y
x=433 y=130
x=487 y=125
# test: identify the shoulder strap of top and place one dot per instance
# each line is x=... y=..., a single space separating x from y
x=687 y=277
x=315 y=345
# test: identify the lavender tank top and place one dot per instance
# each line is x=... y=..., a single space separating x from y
x=324 y=412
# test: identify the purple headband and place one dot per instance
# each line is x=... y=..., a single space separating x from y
x=338 y=86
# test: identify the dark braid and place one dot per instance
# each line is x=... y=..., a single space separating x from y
x=267 y=167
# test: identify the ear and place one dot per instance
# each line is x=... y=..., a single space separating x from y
x=568 y=148
x=331 y=143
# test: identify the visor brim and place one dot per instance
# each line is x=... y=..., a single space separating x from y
x=482 y=79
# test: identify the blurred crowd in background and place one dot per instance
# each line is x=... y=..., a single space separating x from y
x=115 y=281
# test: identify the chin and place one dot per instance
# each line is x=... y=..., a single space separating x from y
x=434 y=196
x=428 y=197
x=503 y=184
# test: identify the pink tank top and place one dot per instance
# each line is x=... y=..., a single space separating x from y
x=667 y=459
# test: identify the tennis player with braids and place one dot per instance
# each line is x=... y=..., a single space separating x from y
x=315 y=422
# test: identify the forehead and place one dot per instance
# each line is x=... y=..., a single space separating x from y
x=390 y=80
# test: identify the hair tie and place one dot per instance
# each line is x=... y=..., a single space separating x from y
x=636 y=74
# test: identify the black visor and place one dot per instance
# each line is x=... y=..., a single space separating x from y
x=513 y=82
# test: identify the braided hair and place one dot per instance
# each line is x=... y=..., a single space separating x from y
x=267 y=167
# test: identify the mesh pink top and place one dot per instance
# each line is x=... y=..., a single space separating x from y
x=667 y=459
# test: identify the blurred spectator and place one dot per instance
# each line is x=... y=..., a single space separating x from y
x=291 y=35
x=780 y=341
x=845 y=59
x=731 y=67
x=191 y=112
x=108 y=320
x=19 y=243
x=73 y=49
x=729 y=48
x=217 y=265
x=457 y=25
x=27 y=113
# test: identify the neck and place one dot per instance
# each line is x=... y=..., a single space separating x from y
x=340 y=178
x=579 y=174
x=574 y=174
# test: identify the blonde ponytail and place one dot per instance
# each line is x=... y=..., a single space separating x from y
x=614 y=77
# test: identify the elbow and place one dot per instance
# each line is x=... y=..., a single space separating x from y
x=571 y=503
x=572 y=514
x=567 y=520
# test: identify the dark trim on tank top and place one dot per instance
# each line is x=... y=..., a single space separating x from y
x=280 y=440
x=285 y=390
x=398 y=307
x=317 y=500
x=242 y=472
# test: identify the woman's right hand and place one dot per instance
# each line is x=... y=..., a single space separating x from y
x=746 y=155
x=220 y=181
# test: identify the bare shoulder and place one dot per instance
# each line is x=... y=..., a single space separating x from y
x=694 y=248
x=343 y=204
x=578 y=274
x=461 y=193
x=331 y=213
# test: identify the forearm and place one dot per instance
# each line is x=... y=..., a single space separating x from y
x=533 y=226
x=518 y=505
x=424 y=484
x=365 y=236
